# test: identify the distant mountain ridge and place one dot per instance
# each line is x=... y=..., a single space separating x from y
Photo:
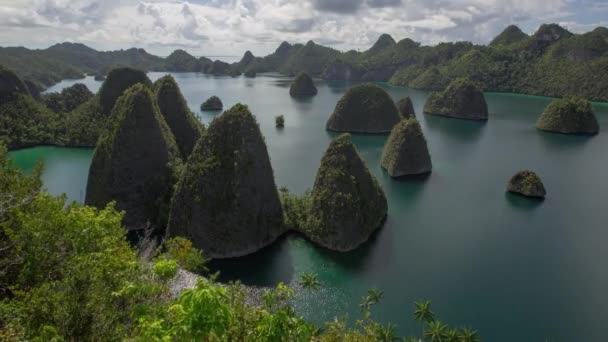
x=552 y=62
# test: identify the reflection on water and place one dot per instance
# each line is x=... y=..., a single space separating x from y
x=457 y=129
x=523 y=202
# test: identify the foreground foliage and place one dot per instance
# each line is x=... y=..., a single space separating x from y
x=69 y=274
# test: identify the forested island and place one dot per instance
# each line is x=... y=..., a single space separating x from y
x=551 y=62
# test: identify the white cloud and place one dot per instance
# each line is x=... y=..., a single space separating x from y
x=223 y=27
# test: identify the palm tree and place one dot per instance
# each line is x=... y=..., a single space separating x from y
x=468 y=335
x=423 y=313
x=436 y=331
x=375 y=295
x=309 y=281
x=453 y=335
x=386 y=334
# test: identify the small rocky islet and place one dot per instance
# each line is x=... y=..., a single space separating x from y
x=347 y=203
x=213 y=103
x=366 y=109
x=302 y=85
x=571 y=115
x=406 y=152
x=528 y=184
x=462 y=99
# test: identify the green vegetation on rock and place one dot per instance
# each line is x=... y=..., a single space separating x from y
x=510 y=35
x=186 y=128
x=347 y=204
x=117 y=81
x=136 y=162
x=571 y=115
x=303 y=86
x=406 y=152
x=462 y=99
x=431 y=79
x=226 y=201
x=365 y=108
x=406 y=107
x=526 y=183
x=69 y=98
x=280 y=121
x=212 y=103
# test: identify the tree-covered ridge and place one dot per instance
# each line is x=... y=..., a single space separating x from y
x=551 y=62
x=69 y=98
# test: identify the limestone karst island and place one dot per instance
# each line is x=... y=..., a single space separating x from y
x=298 y=171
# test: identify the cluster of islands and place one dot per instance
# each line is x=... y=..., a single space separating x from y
x=215 y=185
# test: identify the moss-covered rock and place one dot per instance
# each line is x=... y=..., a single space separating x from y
x=186 y=128
x=117 y=81
x=526 y=183
x=136 y=162
x=405 y=152
x=573 y=115
x=303 y=86
x=462 y=99
x=347 y=203
x=226 y=201
x=212 y=103
x=365 y=108
x=430 y=79
x=406 y=107
x=11 y=84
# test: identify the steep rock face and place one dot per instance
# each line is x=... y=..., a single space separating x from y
x=226 y=201
x=184 y=125
x=365 y=108
x=33 y=88
x=527 y=183
x=248 y=57
x=136 y=162
x=303 y=86
x=117 y=81
x=512 y=34
x=462 y=99
x=380 y=74
x=339 y=70
x=212 y=103
x=11 y=84
x=573 y=115
x=406 y=107
x=347 y=204
x=406 y=152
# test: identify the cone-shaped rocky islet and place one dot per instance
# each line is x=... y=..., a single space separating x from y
x=303 y=86
x=406 y=152
x=136 y=162
x=227 y=202
x=186 y=128
x=347 y=203
x=526 y=183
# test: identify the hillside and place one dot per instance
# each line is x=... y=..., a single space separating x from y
x=553 y=61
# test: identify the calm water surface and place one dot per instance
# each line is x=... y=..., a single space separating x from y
x=515 y=269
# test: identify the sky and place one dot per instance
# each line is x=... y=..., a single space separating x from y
x=230 y=27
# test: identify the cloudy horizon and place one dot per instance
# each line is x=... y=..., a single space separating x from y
x=230 y=27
